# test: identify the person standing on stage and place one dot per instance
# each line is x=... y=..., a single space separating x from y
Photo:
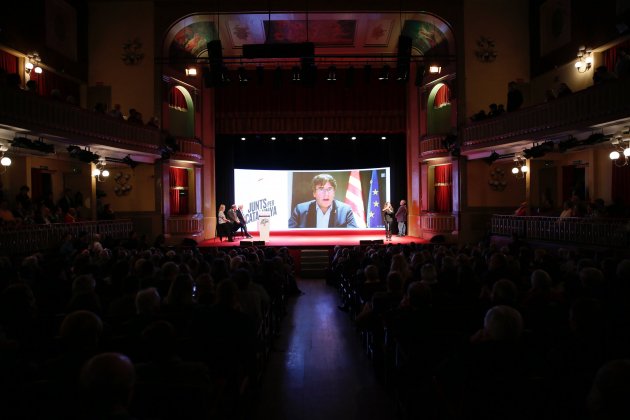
x=241 y=219
x=388 y=218
x=401 y=218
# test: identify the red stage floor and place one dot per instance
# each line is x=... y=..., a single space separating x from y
x=315 y=238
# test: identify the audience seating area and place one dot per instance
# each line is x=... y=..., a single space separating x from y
x=469 y=332
x=78 y=323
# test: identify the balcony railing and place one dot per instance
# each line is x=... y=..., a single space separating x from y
x=32 y=238
x=588 y=107
x=439 y=223
x=432 y=146
x=189 y=149
x=33 y=112
x=185 y=225
x=574 y=230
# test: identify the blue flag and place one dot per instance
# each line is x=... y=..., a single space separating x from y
x=373 y=211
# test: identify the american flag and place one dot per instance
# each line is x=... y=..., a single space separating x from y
x=354 y=198
x=373 y=210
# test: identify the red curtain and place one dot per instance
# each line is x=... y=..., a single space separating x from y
x=443 y=184
x=177 y=99
x=620 y=183
x=8 y=62
x=47 y=81
x=609 y=57
x=178 y=183
x=442 y=97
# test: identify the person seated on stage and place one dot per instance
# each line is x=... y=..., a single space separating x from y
x=224 y=226
x=241 y=219
x=236 y=223
x=324 y=211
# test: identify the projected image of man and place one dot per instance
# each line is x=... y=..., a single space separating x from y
x=324 y=211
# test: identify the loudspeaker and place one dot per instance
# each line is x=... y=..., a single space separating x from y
x=371 y=242
x=246 y=243
x=215 y=56
x=259 y=243
x=189 y=242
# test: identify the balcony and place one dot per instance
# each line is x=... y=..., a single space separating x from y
x=570 y=230
x=190 y=149
x=44 y=116
x=438 y=224
x=581 y=110
x=186 y=225
x=433 y=146
x=33 y=238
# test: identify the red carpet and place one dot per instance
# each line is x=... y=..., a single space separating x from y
x=315 y=238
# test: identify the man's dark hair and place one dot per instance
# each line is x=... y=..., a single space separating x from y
x=322 y=179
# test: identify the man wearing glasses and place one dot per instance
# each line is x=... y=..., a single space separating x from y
x=324 y=211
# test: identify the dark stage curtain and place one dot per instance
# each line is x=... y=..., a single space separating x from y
x=443 y=188
x=330 y=107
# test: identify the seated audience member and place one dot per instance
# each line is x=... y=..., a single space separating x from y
x=564 y=90
x=106 y=386
x=521 y=210
x=224 y=225
x=567 y=210
x=608 y=398
x=71 y=216
x=153 y=122
x=6 y=215
x=116 y=112
x=602 y=75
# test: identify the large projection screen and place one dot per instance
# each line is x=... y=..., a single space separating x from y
x=290 y=197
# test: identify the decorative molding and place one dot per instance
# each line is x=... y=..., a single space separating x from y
x=132 y=52
x=485 y=52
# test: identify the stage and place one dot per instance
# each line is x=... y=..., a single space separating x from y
x=311 y=238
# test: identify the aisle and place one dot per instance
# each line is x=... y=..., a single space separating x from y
x=318 y=370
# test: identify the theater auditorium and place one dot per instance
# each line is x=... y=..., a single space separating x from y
x=304 y=210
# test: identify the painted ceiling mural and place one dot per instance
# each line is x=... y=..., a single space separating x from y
x=357 y=33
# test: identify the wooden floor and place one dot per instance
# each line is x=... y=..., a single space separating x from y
x=318 y=370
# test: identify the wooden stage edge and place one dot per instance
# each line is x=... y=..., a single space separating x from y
x=311 y=239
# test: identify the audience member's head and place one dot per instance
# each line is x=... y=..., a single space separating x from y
x=106 y=383
x=81 y=331
x=608 y=399
x=503 y=323
x=148 y=301
x=504 y=292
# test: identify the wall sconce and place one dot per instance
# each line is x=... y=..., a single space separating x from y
x=621 y=149
x=99 y=172
x=33 y=63
x=191 y=71
x=520 y=167
x=584 y=59
x=435 y=69
x=5 y=161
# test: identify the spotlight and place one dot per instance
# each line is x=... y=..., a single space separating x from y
x=296 y=74
x=242 y=75
x=132 y=163
x=384 y=76
x=332 y=74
